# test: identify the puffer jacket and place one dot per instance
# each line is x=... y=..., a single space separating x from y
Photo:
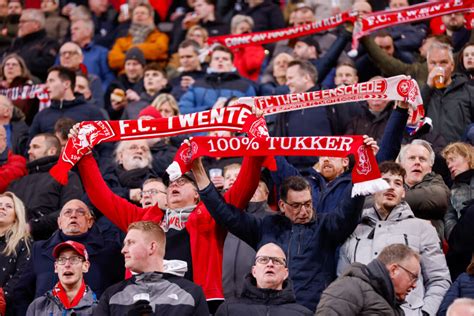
x=361 y=290
x=401 y=226
x=451 y=109
x=310 y=248
x=255 y=301
x=48 y=304
x=462 y=287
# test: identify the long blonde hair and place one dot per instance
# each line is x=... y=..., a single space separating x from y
x=19 y=229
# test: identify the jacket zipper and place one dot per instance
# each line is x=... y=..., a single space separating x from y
x=355 y=249
x=406 y=239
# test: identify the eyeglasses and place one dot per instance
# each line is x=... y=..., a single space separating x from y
x=413 y=276
x=80 y=212
x=69 y=52
x=180 y=182
x=298 y=206
x=72 y=260
x=26 y=21
x=276 y=260
x=152 y=192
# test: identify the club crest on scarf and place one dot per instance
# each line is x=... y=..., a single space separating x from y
x=363 y=165
x=187 y=154
x=259 y=128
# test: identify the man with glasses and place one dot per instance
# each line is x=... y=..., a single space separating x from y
x=70 y=294
x=267 y=289
x=391 y=221
x=33 y=45
x=309 y=239
x=377 y=288
x=192 y=234
x=76 y=223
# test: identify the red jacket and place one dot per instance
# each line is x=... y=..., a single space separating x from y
x=13 y=169
x=248 y=61
x=206 y=237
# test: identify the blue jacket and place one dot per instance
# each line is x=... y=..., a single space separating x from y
x=310 y=248
x=77 y=109
x=107 y=267
x=462 y=287
x=325 y=195
x=95 y=59
x=204 y=93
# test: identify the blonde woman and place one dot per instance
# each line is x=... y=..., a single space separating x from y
x=14 y=243
x=166 y=104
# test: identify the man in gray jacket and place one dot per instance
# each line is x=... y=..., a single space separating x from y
x=377 y=288
x=392 y=221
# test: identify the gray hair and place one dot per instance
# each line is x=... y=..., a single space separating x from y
x=419 y=142
x=89 y=25
x=436 y=46
x=468 y=303
x=121 y=147
x=78 y=48
x=239 y=18
x=306 y=68
x=397 y=253
x=35 y=15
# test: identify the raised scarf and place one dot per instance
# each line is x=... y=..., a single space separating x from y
x=28 y=92
x=237 y=118
x=260 y=38
x=365 y=174
x=424 y=11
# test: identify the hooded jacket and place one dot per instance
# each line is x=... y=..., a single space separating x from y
x=256 y=301
x=361 y=290
x=401 y=226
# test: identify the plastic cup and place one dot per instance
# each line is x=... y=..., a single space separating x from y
x=439 y=80
x=215 y=172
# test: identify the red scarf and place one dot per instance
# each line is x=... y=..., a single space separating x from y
x=91 y=133
x=60 y=293
x=28 y=92
x=260 y=38
x=236 y=118
x=400 y=88
x=424 y=11
x=365 y=175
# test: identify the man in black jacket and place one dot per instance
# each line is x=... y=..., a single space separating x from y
x=37 y=49
x=376 y=288
x=42 y=195
x=267 y=289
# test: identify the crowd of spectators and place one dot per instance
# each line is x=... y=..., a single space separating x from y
x=231 y=236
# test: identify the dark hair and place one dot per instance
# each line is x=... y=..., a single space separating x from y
x=382 y=33
x=65 y=74
x=295 y=183
x=155 y=67
x=396 y=253
x=63 y=125
x=392 y=167
x=348 y=63
x=459 y=61
x=442 y=38
x=190 y=43
x=306 y=67
x=224 y=49
x=51 y=141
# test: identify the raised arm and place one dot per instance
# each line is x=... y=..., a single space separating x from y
x=120 y=211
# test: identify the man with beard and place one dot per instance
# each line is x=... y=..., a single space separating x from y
x=456 y=30
x=391 y=221
x=132 y=167
x=42 y=195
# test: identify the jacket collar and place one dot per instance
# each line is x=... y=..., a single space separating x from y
x=42 y=164
x=268 y=296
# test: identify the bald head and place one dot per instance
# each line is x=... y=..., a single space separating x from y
x=270 y=271
x=461 y=307
x=362 y=7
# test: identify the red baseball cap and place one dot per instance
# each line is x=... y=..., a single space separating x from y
x=78 y=247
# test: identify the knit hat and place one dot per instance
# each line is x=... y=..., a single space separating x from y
x=150 y=111
x=136 y=54
x=78 y=247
